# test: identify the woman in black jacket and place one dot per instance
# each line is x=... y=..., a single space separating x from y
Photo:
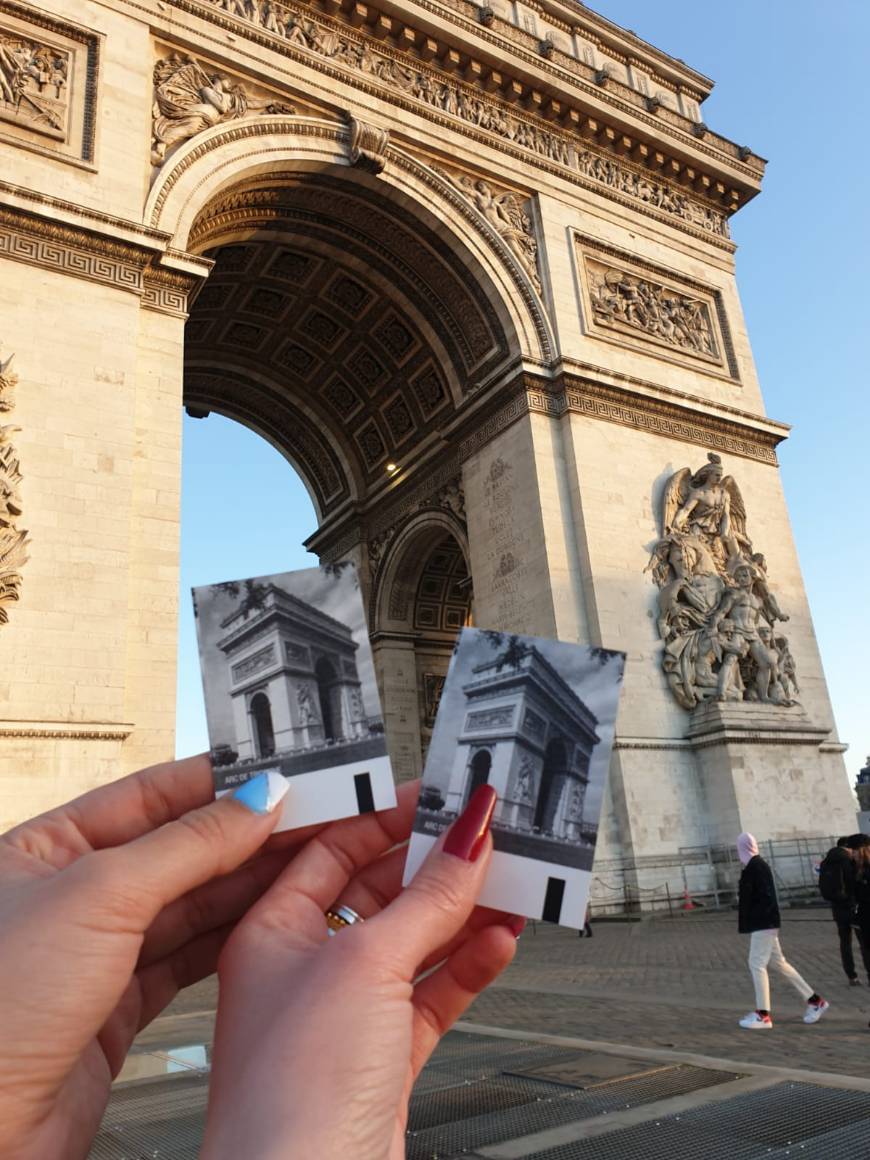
x=758 y=916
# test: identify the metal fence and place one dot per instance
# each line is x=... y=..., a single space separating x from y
x=703 y=876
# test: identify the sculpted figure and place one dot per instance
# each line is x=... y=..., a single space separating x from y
x=306 y=707
x=744 y=608
x=187 y=100
x=787 y=674
x=716 y=612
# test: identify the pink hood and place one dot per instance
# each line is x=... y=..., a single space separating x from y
x=747 y=847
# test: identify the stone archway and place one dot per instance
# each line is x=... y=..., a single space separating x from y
x=421 y=598
x=353 y=320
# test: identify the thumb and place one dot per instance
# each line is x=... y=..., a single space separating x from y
x=435 y=905
x=205 y=843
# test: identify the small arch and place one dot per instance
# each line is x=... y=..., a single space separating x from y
x=550 y=787
x=264 y=731
x=325 y=675
x=479 y=768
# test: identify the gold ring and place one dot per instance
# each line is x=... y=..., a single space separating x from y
x=338 y=917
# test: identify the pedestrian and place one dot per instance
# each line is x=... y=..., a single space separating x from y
x=837 y=887
x=860 y=844
x=759 y=918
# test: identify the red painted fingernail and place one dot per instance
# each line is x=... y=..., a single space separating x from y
x=466 y=836
x=516 y=925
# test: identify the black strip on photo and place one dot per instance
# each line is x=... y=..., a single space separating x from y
x=365 y=799
x=553 y=899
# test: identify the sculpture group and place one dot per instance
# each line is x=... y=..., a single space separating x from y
x=716 y=613
x=13 y=540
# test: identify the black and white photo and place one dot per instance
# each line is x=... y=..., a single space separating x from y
x=534 y=719
x=290 y=687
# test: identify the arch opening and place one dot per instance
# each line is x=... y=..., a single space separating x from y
x=552 y=780
x=263 y=729
x=478 y=772
x=326 y=678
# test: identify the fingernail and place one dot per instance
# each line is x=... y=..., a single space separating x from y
x=515 y=925
x=262 y=793
x=466 y=836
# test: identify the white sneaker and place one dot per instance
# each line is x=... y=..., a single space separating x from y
x=755 y=1022
x=815 y=1011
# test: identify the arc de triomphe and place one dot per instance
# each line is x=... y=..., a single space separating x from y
x=468 y=268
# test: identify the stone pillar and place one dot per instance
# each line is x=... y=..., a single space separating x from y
x=396 y=669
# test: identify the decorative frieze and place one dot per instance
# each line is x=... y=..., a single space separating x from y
x=13 y=539
x=48 y=82
x=189 y=97
x=256 y=663
x=406 y=78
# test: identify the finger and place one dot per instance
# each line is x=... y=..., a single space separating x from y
x=163 y=980
x=213 y=904
x=116 y=813
x=436 y=904
x=443 y=996
x=318 y=875
x=129 y=885
x=375 y=887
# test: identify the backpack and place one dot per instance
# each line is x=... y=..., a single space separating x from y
x=832 y=880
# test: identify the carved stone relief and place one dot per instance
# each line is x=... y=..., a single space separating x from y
x=189 y=97
x=13 y=540
x=34 y=84
x=633 y=302
x=717 y=614
x=507 y=212
x=408 y=78
x=433 y=687
x=48 y=75
x=621 y=300
x=655 y=194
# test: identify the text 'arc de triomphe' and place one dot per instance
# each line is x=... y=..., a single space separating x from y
x=468 y=268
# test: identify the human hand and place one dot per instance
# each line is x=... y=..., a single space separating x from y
x=318 y=1039
x=108 y=906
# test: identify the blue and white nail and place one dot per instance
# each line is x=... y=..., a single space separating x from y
x=262 y=793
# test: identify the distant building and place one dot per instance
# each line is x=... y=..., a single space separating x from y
x=529 y=735
x=293 y=678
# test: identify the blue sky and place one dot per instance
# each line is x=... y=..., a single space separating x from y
x=791 y=83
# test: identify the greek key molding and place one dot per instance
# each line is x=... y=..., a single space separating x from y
x=71 y=251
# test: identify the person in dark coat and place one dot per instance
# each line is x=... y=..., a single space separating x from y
x=758 y=916
x=860 y=844
x=839 y=862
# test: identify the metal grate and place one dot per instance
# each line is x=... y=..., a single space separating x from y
x=162 y=1119
x=466 y=1101
x=559 y=1105
x=787 y=1120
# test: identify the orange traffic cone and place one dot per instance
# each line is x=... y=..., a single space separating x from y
x=687 y=902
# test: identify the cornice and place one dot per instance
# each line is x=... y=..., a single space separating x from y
x=623 y=98
x=78 y=731
x=567 y=130
x=130 y=263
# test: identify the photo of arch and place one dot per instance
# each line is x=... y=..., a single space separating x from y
x=534 y=719
x=290 y=686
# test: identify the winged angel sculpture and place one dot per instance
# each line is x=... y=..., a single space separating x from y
x=716 y=614
x=187 y=100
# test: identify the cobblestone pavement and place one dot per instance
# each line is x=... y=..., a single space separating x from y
x=677 y=983
x=682 y=983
